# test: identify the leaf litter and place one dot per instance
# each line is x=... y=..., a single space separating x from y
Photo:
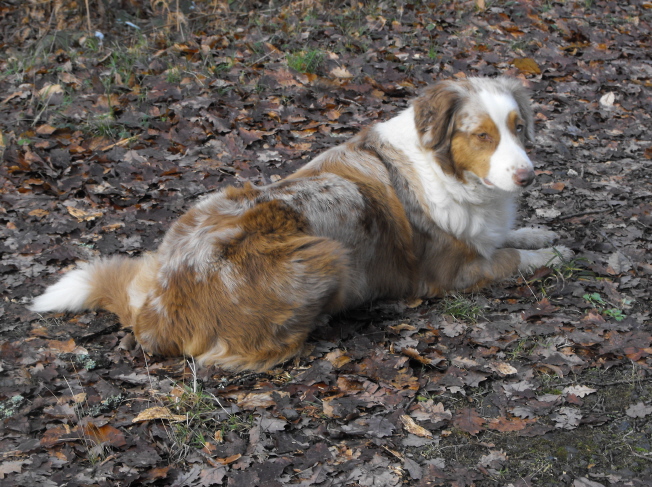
x=538 y=380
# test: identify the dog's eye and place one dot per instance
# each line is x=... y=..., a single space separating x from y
x=483 y=136
x=519 y=128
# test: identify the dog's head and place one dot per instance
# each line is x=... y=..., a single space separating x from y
x=478 y=128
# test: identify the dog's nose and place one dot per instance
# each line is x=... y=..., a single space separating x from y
x=523 y=177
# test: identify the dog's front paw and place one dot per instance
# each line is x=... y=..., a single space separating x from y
x=531 y=238
x=551 y=257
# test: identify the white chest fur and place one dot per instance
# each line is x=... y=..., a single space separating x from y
x=472 y=212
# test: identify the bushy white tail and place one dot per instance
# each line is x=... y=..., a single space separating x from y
x=103 y=283
x=69 y=294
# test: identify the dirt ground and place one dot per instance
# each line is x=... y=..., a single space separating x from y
x=116 y=118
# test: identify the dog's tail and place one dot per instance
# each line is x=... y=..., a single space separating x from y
x=103 y=283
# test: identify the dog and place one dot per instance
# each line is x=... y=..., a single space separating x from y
x=416 y=206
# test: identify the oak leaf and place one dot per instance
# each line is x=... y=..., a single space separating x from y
x=469 y=420
x=638 y=410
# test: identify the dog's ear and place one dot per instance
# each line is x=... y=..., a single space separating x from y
x=434 y=114
x=523 y=99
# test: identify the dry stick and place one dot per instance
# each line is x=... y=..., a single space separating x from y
x=88 y=17
x=582 y=213
x=177 y=16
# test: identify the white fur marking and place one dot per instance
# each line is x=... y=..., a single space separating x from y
x=530 y=238
x=509 y=155
x=480 y=216
x=69 y=294
x=533 y=259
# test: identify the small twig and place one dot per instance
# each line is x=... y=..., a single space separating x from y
x=350 y=101
x=45 y=106
x=637 y=455
x=208 y=458
x=582 y=213
x=119 y=143
x=88 y=17
x=177 y=17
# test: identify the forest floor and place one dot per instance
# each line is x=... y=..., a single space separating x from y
x=114 y=123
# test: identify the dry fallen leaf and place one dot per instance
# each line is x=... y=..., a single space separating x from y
x=503 y=369
x=341 y=72
x=527 y=65
x=49 y=90
x=504 y=424
x=255 y=400
x=337 y=358
x=428 y=410
x=103 y=435
x=579 y=391
x=568 y=418
x=411 y=427
x=413 y=353
x=495 y=459
x=158 y=412
x=12 y=467
x=618 y=264
x=231 y=459
x=607 y=100
x=468 y=420
x=639 y=410
x=39 y=213
x=83 y=215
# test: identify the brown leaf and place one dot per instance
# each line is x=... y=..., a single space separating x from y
x=45 y=129
x=255 y=400
x=250 y=136
x=503 y=369
x=337 y=358
x=414 y=354
x=504 y=424
x=104 y=435
x=56 y=435
x=469 y=420
x=39 y=213
x=157 y=473
x=157 y=412
x=231 y=459
x=411 y=427
x=428 y=410
x=49 y=90
x=527 y=65
x=542 y=308
x=341 y=72
x=83 y=215
x=347 y=384
x=62 y=347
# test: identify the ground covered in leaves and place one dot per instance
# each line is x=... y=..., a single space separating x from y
x=109 y=137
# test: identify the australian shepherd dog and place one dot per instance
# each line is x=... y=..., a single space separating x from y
x=415 y=206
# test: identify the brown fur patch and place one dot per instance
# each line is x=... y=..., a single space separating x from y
x=472 y=151
x=287 y=279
